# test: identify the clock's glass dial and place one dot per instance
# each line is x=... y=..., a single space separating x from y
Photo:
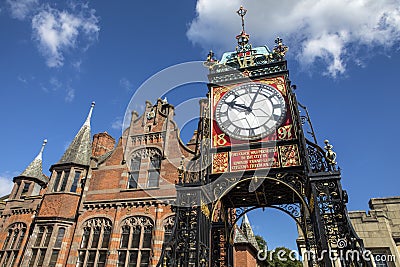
x=250 y=111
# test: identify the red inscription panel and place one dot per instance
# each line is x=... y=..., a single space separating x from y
x=254 y=159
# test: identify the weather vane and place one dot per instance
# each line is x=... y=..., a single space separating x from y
x=242 y=12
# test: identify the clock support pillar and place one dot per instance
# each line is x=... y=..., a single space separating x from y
x=189 y=244
x=338 y=243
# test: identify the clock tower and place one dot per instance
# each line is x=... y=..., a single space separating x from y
x=252 y=153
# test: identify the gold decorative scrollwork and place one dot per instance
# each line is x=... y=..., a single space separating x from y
x=220 y=162
x=204 y=209
x=217 y=93
x=279 y=82
x=289 y=155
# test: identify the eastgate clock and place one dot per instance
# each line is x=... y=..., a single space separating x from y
x=250 y=111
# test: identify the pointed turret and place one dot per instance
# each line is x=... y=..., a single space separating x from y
x=35 y=168
x=248 y=231
x=79 y=151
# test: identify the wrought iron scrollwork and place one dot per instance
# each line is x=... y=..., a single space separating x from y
x=337 y=229
x=317 y=158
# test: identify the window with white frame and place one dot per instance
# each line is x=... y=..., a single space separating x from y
x=150 y=159
x=67 y=180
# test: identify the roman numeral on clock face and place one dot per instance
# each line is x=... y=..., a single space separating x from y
x=252 y=132
x=225 y=124
x=236 y=131
x=250 y=111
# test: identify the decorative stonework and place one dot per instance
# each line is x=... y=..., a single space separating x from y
x=97 y=222
x=169 y=222
x=145 y=139
x=148 y=152
x=138 y=221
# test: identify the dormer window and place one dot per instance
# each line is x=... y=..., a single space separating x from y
x=75 y=182
x=63 y=181
x=25 y=189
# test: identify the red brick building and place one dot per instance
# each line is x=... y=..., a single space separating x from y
x=104 y=203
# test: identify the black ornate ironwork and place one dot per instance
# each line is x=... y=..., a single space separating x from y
x=189 y=243
x=310 y=193
x=335 y=232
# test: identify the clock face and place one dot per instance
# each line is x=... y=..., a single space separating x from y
x=250 y=111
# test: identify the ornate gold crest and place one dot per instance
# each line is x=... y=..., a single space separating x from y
x=289 y=155
x=220 y=162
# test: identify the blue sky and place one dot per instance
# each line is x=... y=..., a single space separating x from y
x=58 y=56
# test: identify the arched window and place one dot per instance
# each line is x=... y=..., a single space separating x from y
x=136 y=242
x=57 y=247
x=95 y=241
x=168 y=226
x=134 y=173
x=39 y=248
x=153 y=177
x=148 y=158
x=12 y=244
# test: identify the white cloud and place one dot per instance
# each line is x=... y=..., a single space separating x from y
x=77 y=65
x=6 y=184
x=20 y=9
x=22 y=79
x=327 y=31
x=55 y=84
x=117 y=123
x=70 y=94
x=58 y=31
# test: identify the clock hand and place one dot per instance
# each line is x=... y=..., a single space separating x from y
x=233 y=104
x=249 y=109
x=240 y=105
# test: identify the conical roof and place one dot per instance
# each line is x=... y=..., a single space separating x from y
x=35 y=168
x=80 y=150
x=248 y=231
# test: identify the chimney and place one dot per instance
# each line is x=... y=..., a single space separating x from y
x=102 y=143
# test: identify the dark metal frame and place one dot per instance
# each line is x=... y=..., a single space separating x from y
x=202 y=232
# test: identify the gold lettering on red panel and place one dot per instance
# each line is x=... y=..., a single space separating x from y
x=220 y=140
x=254 y=159
x=285 y=132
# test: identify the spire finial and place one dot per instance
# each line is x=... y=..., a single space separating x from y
x=242 y=12
x=87 y=122
x=243 y=37
x=39 y=156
